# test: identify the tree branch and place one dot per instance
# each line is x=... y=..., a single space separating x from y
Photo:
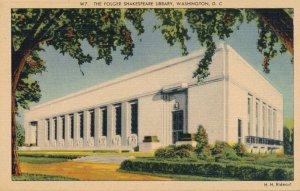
x=49 y=24
x=19 y=57
x=281 y=24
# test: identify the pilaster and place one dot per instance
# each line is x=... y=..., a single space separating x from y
x=76 y=128
x=86 y=127
x=125 y=123
x=98 y=125
x=41 y=132
x=110 y=125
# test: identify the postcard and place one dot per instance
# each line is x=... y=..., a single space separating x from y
x=149 y=95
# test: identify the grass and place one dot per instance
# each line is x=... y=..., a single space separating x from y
x=273 y=160
x=57 y=164
x=39 y=177
x=41 y=160
x=85 y=171
x=180 y=177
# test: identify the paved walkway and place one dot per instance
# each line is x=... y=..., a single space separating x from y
x=102 y=159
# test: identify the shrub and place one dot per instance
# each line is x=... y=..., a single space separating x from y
x=279 y=174
x=240 y=171
x=202 y=141
x=166 y=152
x=222 y=150
x=227 y=153
x=240 y=149
x=219 y=147
x=173 y=152
x=64 y=156
x=183 y=153
x=185 y=146
x=160 y=153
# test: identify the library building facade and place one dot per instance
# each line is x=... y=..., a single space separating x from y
x=164 y=105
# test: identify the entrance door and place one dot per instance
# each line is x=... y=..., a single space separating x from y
x=177 y=125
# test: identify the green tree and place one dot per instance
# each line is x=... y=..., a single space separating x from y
x=292 y=142
x=202 y=149
x=287 y=143
x=20 y=135
x=106 y=30
x=240 y=149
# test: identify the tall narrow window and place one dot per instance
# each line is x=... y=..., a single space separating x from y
x=118 y=116
x=249 y=105
x=81 y=124
x=104 y=121
x=274 y=124
x=63 y=124
x=249 y=114
x=239 y=130
x=264 y=120
x=269 y=122
x=48 y=129
x=34 y=125
x=257 y=117
x=72 y=125
x=92 y=123
x=134 y=118
x=55 y=128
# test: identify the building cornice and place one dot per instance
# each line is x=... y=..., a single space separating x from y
x=160 y=66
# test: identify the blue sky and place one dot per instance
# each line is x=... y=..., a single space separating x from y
x=63 y=75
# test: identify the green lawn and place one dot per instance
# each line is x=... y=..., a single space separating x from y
x=177 y=177
x=44 y=157
x=40 y=177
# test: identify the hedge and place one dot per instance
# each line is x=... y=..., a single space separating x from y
x=52 y=156
x=213 y=169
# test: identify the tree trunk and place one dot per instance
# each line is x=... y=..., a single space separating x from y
x=18 y=64
x=281 y=24
x=15 y=166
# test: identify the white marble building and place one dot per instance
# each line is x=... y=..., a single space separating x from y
x=234 y=104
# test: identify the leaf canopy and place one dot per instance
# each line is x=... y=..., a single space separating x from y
x=107 y=30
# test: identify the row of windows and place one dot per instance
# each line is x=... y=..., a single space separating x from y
x=91 y=113
x=268 y=118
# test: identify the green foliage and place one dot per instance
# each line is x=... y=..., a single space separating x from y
x=41 y=160
x=202 y=149
x=172 y=152
x=185 y=146
x=56 y=156
x=28 y=89
x=40 y=177
x=183 y=153
x=228 y=153
x=107 y=31
x=219 y=147
x=240 y=149
x=65 y=30
x=20 y=135
x=222 y=150
x=268 y=43
x=288 y=141
x=289 y=123
x=212 y=169
x=292 y=141
x=208 y=24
